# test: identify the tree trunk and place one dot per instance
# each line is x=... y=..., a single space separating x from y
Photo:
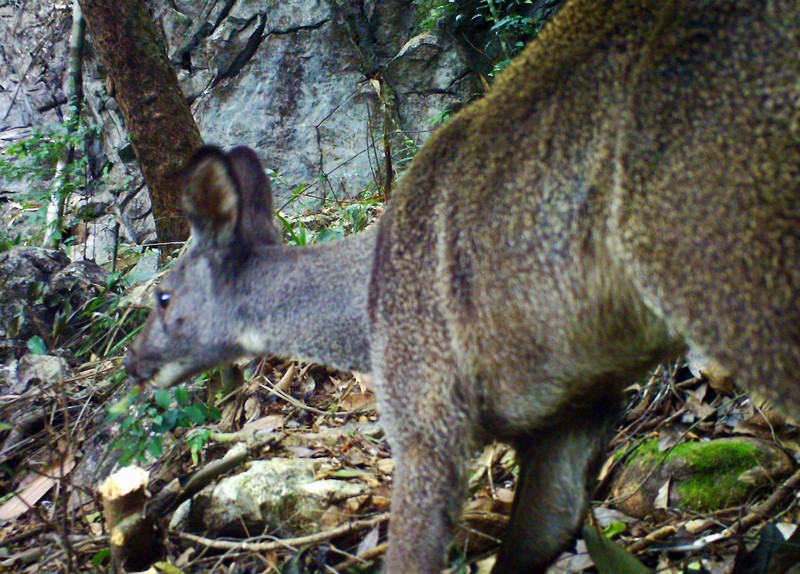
x=162 y=130
x=73 y=89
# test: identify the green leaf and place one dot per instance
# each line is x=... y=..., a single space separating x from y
x=156 y=446
x=120 y=407
x=93 y=517
x=167 y=568
x=100 y=557
x=213 y=413
x=609 y=557
x=197 y=443
x=181 y=396
x=195 y=414
x=326 y=235
x=614 y=529
x=299 y=190
x=168 y=421
x=163 y=399
x=37 y=346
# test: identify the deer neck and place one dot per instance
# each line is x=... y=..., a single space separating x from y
x=315 y=305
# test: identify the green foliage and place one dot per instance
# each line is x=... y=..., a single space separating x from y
x=197 y=442
x=33 y=161
x=107 y=325
x=336 y=221
x=96 y=326
x=441 y=118
x=101 y=557
x=511 y=23
x=614 y=529
x=429 y=12
x=610 y=558
x=37 y=346
x=143 y=425
x=8 y=239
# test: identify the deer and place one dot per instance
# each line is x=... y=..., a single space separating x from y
x=626 y=191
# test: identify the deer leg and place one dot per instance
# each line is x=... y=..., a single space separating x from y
x=426 y=505
x=557 y=465
x=429 y=434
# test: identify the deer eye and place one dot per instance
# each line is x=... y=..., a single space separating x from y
x=163 y=298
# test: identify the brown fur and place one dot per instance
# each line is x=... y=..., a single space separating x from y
x=629 y=189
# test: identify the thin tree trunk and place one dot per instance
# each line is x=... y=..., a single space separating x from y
x=74 y=92
x=163 y=132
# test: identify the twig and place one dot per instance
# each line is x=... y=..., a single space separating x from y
x=758 y=514
x=287 y=378
x=25 y=557
x=654 y=536
x=288 y=542
x=176 y=492
x=367 y=556
x=292 y=401
x=766 y=508
x=252 y=438
x=35 y=554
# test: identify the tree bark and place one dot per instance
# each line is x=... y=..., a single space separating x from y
x=162 y=130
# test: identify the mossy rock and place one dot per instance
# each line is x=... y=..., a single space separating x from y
x=703 y=476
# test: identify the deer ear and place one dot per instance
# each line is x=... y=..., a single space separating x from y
x=210 y=198
x=255 y=195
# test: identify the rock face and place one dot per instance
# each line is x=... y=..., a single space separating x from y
x=39 y=287
x=324 y=90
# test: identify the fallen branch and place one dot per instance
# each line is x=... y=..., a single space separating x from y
x=185 y=487
x=759 y=513
x=767 y=508
x=655 y=536
x=290 y=543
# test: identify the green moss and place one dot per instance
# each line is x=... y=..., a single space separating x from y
x=714 y=470
x=646 y=452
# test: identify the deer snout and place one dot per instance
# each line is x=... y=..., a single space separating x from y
x=134 y=367
x=156 y=370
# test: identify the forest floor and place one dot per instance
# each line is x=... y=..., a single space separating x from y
x=61 y=527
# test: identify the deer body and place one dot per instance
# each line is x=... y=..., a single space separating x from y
x=630 y=188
